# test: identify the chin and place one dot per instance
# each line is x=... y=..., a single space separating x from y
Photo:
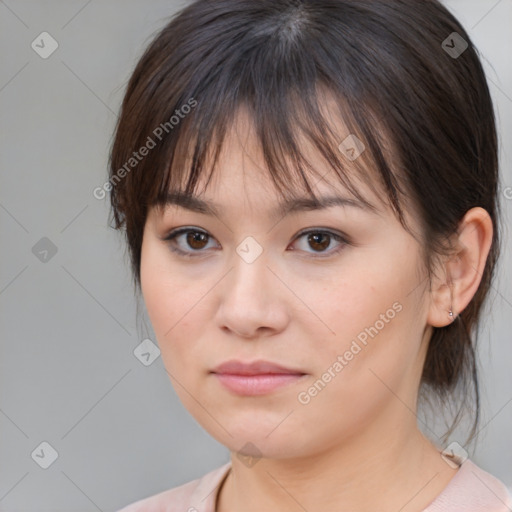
x=250 y=439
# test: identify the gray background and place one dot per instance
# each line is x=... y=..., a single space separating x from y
x=68 y=324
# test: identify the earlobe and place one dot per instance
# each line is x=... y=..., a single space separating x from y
x=463 y=270
x=441 y=306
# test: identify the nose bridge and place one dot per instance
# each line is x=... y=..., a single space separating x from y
x=250 y=267
x=249 y=250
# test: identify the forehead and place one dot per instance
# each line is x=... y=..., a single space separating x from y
x=247 y=189
x=244 y=177
x=242 y=169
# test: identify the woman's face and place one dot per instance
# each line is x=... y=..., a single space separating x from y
x=348 y=318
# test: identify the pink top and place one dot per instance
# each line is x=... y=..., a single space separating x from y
x=471 y=489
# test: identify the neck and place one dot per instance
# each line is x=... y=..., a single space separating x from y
x=396 y=469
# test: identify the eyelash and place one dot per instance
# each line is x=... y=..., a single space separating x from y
x=336 y=236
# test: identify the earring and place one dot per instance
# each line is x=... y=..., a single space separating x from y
x=450 y=312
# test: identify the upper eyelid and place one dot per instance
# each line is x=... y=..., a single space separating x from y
x=176 y=232
x=185 y=229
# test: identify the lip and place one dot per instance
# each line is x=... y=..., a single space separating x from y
x=259 y=367
x=255 y=378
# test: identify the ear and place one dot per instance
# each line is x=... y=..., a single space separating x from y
x=461 y=273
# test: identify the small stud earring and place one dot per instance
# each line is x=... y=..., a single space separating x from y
x=450 y=312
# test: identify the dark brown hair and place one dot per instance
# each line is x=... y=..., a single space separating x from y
x=423 y=113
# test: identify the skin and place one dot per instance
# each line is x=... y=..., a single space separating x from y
x=356 y=445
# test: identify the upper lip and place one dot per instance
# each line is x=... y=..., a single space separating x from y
x=253 y=368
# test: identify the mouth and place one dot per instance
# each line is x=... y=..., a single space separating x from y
x=256 y=378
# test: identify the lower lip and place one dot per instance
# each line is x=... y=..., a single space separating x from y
x=250 y=385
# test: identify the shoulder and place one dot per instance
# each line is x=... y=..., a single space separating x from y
x=472 y=490
x=195 y=496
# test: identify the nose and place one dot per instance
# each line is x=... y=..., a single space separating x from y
x=253 y=301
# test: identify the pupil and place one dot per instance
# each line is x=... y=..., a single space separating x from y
x=320 y=235
x=195 y=237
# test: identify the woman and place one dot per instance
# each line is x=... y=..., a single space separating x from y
x=309 y=195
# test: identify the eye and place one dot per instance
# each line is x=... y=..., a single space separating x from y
x=195 y=239
x=320 y=240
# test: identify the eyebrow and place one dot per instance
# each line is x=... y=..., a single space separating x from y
x=197 y=205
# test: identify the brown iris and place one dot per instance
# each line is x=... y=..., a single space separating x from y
x=314 y=237
x=195 y=237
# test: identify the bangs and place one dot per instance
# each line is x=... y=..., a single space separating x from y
x=294 y=89
x=286 y=122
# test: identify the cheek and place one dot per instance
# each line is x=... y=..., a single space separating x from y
x=162 y=292
x=365 y=370
x=374 y=331
x=175 y=305
x=159 y=303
